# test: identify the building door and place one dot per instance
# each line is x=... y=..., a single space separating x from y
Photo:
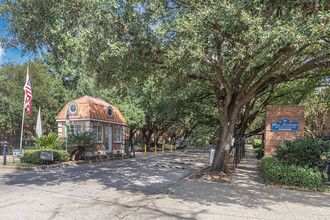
x=108 y=139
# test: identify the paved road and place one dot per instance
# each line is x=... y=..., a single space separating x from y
x=133 y=189
x=105 y=190
x=245 y=198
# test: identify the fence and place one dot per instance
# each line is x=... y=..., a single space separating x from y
x=324 y=137
x=28 y=143
x=238 y=149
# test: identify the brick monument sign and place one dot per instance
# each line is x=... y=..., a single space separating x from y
x=282 y=122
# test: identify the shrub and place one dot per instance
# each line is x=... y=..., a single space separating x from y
x=50 y=141
x=304 y=151
x=33 y=156
x=274 y=171
x=257 y=143
x=80 y=143
x=259 y=152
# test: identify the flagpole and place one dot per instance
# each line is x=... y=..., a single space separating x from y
x=67 y=124
x=20 y=145
x=21 y=142
x=66 y=137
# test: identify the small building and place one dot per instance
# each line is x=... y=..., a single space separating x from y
x=92 y=114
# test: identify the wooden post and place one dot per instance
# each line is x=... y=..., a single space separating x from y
x=145 y=150
x=163 y=149
x=155 y=149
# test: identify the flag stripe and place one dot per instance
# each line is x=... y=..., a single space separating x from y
x=28 y=94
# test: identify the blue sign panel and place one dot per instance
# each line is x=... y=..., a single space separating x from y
x=18 y=153
x=285 y=125
x=47 y=155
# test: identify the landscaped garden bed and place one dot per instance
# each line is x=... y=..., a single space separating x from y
x=208 y=175
x=298 y=164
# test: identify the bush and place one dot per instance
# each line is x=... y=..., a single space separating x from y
x=304 y=151
x=50 y=141
x=274 y=171
x=33 y=156
x=259 y=152
x=80 y=143
x=256 y=143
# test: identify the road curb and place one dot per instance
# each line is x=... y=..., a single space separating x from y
x=181 y=180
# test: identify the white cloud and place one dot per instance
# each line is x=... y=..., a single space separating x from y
x=2 y=53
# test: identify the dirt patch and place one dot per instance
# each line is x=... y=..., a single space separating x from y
x=207 y=175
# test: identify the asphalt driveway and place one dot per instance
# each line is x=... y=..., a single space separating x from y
x=100 y=190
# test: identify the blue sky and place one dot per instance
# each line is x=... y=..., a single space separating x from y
x=11 y=54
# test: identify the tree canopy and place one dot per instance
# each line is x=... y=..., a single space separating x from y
x=235 y=50
x=47 y=93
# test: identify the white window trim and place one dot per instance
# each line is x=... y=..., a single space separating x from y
x=120 y=133
x=101 y=141
x=74 y=128
x=75 y=112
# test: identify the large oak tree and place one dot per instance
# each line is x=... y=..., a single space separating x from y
x=236 y=49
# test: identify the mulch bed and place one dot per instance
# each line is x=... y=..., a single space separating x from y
x=323 y=189
x=207 y=175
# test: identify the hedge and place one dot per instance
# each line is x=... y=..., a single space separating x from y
x=33 y=156
x=257 y=143
x=275 y=171
x=304 y=151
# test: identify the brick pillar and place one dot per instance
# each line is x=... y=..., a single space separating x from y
x=294 y=113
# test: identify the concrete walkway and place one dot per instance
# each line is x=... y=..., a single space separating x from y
x=247 y=172
x=245 y=198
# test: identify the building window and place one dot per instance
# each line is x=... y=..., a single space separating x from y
x=117 y=134
x=110 y=112
x=98 y=131
x=59 y=129
x=76 y=129
x=73 y=108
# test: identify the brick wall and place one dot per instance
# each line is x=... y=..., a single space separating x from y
x=326 y=129
x=277 y=113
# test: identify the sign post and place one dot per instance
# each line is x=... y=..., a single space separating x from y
x=212 y=156
x=5 y=145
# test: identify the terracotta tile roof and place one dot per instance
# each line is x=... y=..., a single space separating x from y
x=90 y=107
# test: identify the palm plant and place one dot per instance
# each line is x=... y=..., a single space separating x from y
x=79 y=143
x=50 y=141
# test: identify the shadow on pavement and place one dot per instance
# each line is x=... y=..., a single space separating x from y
x=138 y=174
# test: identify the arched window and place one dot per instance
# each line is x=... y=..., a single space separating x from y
x=73 y=108
x=110 y=112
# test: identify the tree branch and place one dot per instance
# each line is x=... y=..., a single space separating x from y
x=227 y=36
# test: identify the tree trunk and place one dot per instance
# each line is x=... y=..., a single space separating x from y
x=227 y=127
x=223 y=149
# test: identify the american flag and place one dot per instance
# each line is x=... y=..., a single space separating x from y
x=28 y=93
